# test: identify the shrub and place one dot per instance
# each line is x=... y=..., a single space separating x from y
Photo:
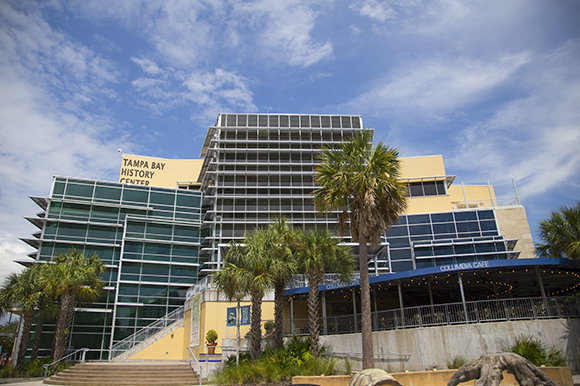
x=456 y=362
x=274 y=366
x=269 y=326
x=8 y=371
x=537 y=352
x=34 y=368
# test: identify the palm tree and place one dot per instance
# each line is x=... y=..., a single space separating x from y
x=362 y=182
x=318 y=252
x=73 y=277
x=233 y=282
x=281 y=267
x=561 y=233
x=24 y=290
x=248 y=266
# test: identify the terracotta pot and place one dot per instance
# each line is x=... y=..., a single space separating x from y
x=211 y=349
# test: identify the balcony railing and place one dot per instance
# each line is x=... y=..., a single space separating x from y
x=482 y=311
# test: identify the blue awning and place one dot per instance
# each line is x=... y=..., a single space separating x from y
x=490 y=265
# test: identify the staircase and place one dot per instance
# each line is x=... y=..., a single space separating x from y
x=129 y=374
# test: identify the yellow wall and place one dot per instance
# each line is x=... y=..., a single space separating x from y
x=170 y=347
x=140 y=170
x=213 y=317
x=427 y=166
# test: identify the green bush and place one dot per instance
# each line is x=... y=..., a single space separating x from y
x=269 y=326
x=456 y=362
x=279 y=365
x=8 y=371
x=34 y=368
x=537 y=352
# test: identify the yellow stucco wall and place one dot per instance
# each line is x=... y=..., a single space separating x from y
x=427 y=166
x=162 y=172
x=170 y=347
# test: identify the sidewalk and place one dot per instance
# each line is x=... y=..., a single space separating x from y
x=25 y=382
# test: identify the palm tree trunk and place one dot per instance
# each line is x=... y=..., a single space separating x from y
x=37 y=334
x=278 y=314
x=365 y=297
x=313 y=307
x=26 y=326
x=63 y=322
x=256 y=325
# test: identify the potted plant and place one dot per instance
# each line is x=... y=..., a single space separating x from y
x=211 y=341
x=269 y=327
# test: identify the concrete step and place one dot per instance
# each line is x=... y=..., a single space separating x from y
x=129 y=374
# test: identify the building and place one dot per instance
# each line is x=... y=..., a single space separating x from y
x=149 y=238
x=162 y=227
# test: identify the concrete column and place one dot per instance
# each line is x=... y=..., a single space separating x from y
x=400 y=290
x=463 y=296
x=542 y=292
x=324 y=322
x=354 y=308
x=292 y=315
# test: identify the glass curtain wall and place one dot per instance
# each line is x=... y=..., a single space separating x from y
x=149 y=239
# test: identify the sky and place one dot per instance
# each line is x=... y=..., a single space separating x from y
x=492 y=85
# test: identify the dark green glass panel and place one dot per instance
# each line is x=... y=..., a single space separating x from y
x=104 y=213
x=159 y=229
x=188 y=232
x=133 y=247
x=161 y=199
x=128 y=289
x=154 y=269
x=102 y=232
x=75 y=230
x=126 y=312
x=108 y=193
x=153 y=290
x=77 y=211
x=185 y=250
x=188 y=200
x=74 y=189
x=54 y=209
x=157 y=249
x=58 y=189
x=134 y=268
x=133 y=195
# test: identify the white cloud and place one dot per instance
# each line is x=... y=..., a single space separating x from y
x=218 y=91
x=434 y=87
x=378 y=10
x=534 y=138
x=148 y=66
x=285 y=31
x=50 y=122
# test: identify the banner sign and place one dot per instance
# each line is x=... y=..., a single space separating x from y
x=232 y=316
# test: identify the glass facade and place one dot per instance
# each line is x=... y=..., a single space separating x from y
x=148 y=237
x=434 y=239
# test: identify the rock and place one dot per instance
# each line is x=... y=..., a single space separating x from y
x=373 y=377
x=488 y=369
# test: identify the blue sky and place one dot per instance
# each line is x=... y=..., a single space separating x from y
x=493 y=86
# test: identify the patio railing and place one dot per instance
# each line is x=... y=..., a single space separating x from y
x=481 y=311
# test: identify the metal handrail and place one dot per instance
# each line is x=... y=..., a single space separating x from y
x=406 y=356
x=146 y=332
x=190 y=351
x=83 y=355
x=479 y=311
